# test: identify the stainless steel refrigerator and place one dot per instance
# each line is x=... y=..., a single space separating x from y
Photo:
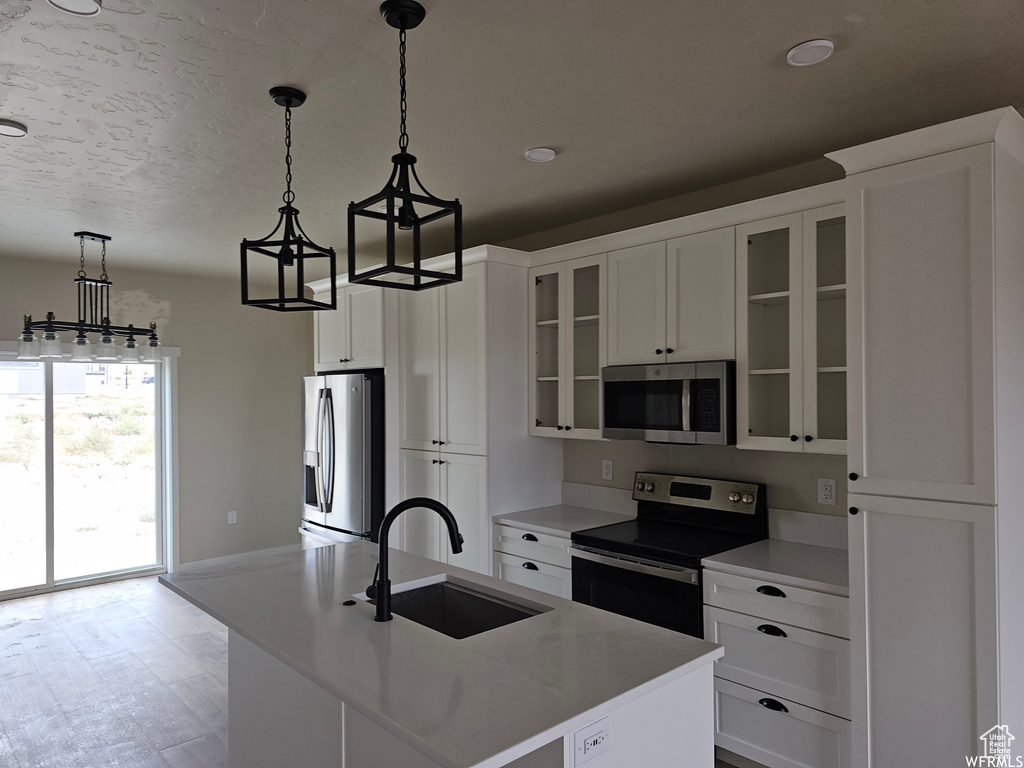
x=343 y=454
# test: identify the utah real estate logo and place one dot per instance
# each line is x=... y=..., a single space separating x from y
x=996 y=750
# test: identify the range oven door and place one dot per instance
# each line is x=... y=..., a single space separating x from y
x=657 y=593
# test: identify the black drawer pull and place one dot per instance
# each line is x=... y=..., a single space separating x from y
x=853 y=475
x=766 y=589
x=771 y=629
x=529 y=537
x=854 y=510
x=530 y=567
x=773 y=705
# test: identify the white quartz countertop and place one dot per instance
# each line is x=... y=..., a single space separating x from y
x=459 y=702
x=800 y=565
x=560 y=520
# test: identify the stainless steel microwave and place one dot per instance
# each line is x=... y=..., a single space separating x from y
x=671 y=403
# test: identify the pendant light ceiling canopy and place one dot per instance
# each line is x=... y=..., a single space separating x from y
x=288 y=246
x=78 y=7
x=404 y=206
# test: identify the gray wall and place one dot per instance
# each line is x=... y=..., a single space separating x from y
x=238 y=394
x=792 y=478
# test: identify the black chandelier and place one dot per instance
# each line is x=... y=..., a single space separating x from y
x=292 y=248
x=93 y=317
x=396 y=203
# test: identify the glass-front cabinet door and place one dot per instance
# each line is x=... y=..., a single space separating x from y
x=791 y=332
x=567 y=347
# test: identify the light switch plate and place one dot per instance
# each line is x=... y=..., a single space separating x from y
x=606 y=469
x=232 y=517
x=589 y=742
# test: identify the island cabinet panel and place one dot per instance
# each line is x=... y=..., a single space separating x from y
x=921 y=328
x=353 y=335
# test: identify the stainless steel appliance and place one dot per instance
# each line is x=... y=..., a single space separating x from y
x=649 y=568
x=343 y=454
x=671 y=403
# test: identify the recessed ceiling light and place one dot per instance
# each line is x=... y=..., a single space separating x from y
x=805 y=54
x=12 y=128
x=78 y=7
x=540 y=154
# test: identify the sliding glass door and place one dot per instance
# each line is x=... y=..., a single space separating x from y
x=23 y=476
x=79 y=472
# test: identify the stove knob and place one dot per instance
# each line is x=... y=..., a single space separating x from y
x=640 y=486
x=748 y=498
x=649 y=487
x=734 y=497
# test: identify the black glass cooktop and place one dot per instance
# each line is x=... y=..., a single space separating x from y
x=667 y=542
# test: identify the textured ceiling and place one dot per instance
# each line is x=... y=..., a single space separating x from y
x=151 y=122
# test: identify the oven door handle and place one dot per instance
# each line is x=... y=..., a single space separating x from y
x=662 y=570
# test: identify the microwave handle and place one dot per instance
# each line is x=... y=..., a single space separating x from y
x=686 y=405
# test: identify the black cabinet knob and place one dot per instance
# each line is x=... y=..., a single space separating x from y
x=768 y=589
x=441 y=461
x=433 y=442
x=670 y=350
x=440 y=442
x=657 y=352
x=854 y=475
x=794 y=438
x=433 y=461
x=567 y=429
x=771 y=629
x=559 y=427
x=808 y=438
x=529 y=537
x=854 y=510
x=530 y=567
x=772 y=704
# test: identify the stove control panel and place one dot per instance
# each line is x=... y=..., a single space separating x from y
x=723 y=495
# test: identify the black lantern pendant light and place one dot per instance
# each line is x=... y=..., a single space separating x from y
x=398 y=204
x=290 y=249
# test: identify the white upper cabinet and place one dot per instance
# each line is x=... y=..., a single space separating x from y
x=567 y=347
x=353 y=335
x=674 y=301
x=636 y=305
x=921 y=328
x=790 y=314
x=701 y=276
x=442 y=335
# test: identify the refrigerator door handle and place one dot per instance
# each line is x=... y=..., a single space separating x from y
x=319 y=469
x=329 y=429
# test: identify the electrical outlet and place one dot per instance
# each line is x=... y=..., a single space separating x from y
x=232 y=517
x=590 y=742
x=606 y=469
x=826 y=491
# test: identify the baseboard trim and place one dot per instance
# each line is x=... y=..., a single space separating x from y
x=227 y=559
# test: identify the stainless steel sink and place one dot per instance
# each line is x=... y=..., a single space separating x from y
x=457 y=610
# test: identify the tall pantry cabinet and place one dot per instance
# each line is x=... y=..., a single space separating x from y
x=462 y=408
x=935 y=276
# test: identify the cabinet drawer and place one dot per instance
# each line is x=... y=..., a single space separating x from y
x=797 y=738
x=807 y=667
x=542 y=547
x=817 y=611
x=533 y=574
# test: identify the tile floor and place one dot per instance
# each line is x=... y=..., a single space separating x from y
x=120 y=674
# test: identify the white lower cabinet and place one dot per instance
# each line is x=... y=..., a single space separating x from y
x=460 y=483
x=782 y=690
x=532 y=559
x=776 y=732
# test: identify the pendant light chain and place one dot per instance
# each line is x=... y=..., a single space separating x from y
x=81 y=261
x=288 y=196
x=103 y=262
x=403 y=139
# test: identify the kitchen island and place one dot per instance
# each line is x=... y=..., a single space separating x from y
x=317 y=682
